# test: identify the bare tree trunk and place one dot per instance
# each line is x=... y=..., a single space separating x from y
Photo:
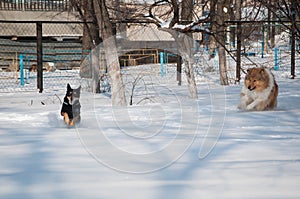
x=91 y=36
x=239 y=40
x=213 y=27
x=221 y=36
x=222 y=65
x=90 y=43
x=232 y=28
x=271 y=25
x=111 y=54
x=187 y=52
x=185 y=46
x=90 y=40
x=95 y=70
x=189 y=71
x=293 y=37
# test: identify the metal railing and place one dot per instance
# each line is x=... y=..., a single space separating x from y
x=42 y=57
x=35 y=5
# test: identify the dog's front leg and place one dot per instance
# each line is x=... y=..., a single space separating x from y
x=242 y=105
x=75 y=120
x=253 y=105
x=72 y=123
x=66 y=118
x=244 y=101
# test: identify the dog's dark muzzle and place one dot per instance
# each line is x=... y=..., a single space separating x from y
x=251 y=89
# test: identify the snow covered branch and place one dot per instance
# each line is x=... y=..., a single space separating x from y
x=170 y=18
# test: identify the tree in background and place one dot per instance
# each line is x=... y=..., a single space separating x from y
x=90 y=40
x=111 y=54
x=284 y=11
x=96 y=17
x=221 y=15
x=179 y=20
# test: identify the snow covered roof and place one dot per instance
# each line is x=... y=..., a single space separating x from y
x=138 y=33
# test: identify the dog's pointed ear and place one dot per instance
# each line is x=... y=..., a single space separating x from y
x=68 y=87
x=262 y=71
x=249 y=69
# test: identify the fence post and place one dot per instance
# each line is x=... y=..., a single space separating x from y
x=276 y=66
x=21 y=69
x=39 y=33
x=293 y=42
x=179 y=68
x=238 y=52
x=293 y=50
x=28 y=71
x=162 y=67
x=293 y=55
x=263 y=42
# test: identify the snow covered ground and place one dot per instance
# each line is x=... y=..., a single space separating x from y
x=164 y=146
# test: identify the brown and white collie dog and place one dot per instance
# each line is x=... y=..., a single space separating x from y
x=260 y=90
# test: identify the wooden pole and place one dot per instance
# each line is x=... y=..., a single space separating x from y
x=293 y=42
x=239 y=41
x=39 y=56
x=179 y=68
x=238 y=53
x=293 y=52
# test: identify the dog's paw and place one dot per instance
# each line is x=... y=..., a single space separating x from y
x=242 y=106
x=72 y=123
x=67 y=121
x=248 y=108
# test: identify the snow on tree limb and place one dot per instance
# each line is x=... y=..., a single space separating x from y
x=173 y=21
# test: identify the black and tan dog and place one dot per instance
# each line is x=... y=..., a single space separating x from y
x=71 y=106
